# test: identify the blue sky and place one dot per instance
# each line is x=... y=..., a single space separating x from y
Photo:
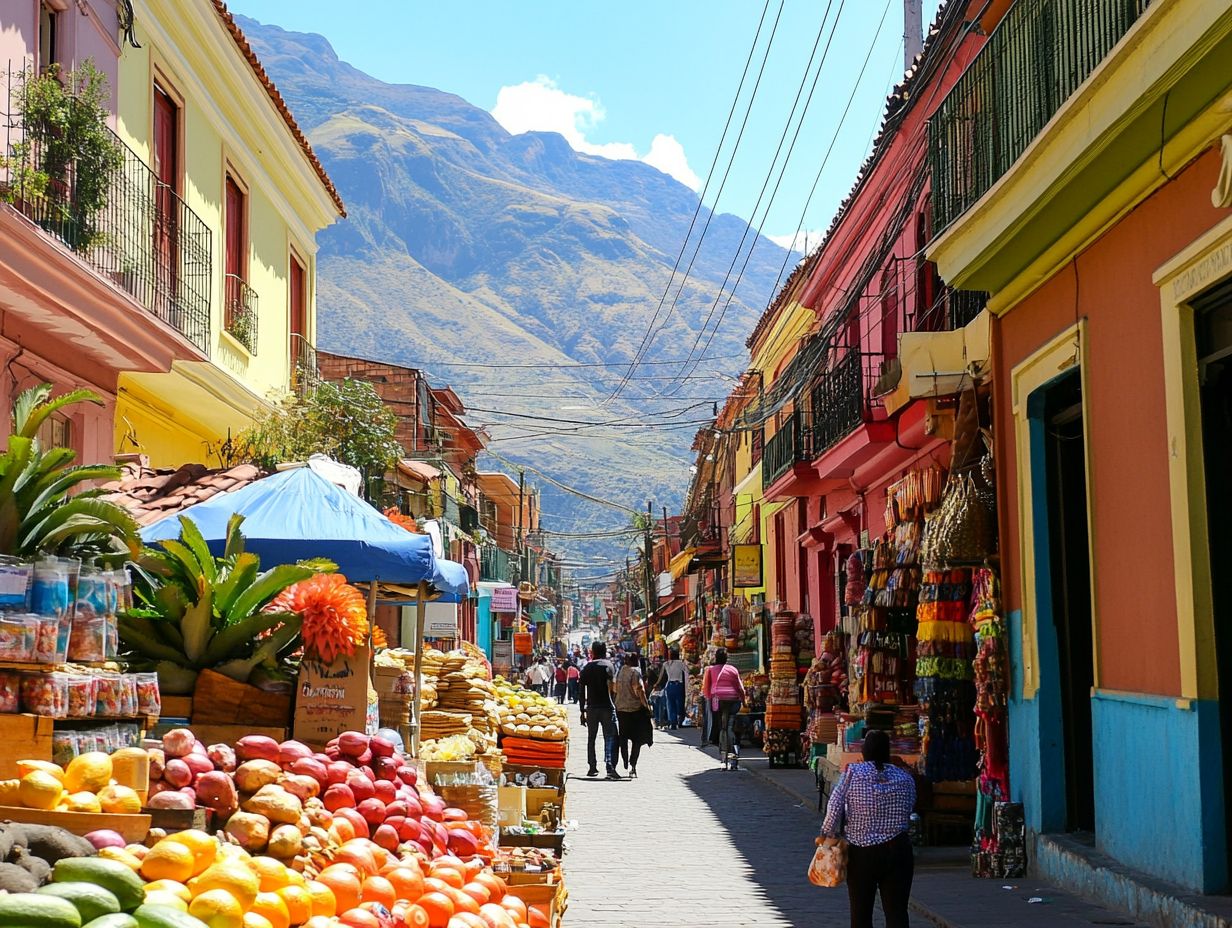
x=651 y=80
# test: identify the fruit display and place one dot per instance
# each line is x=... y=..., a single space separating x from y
x=90 y=783
x=526 y=714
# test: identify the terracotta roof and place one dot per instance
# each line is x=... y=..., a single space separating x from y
x=279 y=103
x=151 y=494
x=419 y=469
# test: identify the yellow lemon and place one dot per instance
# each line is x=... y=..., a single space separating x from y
x=204 y=847
x=46 y=766
x=81 y=802
x=122 y=855
x=9 y=790
x=170 y=900
x=168 y=860
x=256 y=920
x=272 y=873
x=90 y=772
x=298 y=902
x=218 y=909
x=295 y=878
x=119 y=800
x=39 y=790
x=271 y=906
x=234 y=876
x=169 y=886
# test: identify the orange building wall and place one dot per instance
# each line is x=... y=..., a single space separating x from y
x=1110 y=286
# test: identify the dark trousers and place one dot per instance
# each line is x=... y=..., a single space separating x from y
x=722 y=726
x=605 y=719
x=674 y=693
x=560 y=691
x=573 y=690
x=886 y=868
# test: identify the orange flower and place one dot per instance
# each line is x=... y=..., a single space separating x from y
x=334 y=613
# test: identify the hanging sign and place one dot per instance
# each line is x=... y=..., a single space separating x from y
x=505 y=599
x=523 y=643
x=746 y=566
x=441 y=620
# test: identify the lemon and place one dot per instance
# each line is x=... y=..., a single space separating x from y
x=119 y=800
x=81 y=802
x=272 y=873
x=39 y=790
x=29 y=766
x=218 y=909
x=169 y=886
x=170 y=900
x=90 y=772
x=204 y=847
x=235 y=876
x=168 y=860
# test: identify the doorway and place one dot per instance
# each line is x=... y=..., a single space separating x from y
x=1070 y=565
x=1213 y=323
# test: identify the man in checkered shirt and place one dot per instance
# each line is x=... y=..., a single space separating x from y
x=871 y=808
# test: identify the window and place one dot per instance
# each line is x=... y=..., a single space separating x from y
x=166 y=215
x=758 y=438
x=299 y=300
x=889 y=311
x=240 y=315
x=49 y=38
x=56 y=432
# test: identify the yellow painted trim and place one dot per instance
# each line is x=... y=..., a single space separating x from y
x=1200 y=265
x=1049 y=361
x=1143 y=66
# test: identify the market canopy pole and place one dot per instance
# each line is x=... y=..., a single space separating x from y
x=421 y=606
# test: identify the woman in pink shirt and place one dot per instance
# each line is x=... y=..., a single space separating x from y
x=723 y=691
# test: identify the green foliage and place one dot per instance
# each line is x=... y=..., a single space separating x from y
x=347 y=421
x=195 y=611
x=45 y=505
x=64 y=162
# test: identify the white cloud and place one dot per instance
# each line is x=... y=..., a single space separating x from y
x=805 y=238
x=541 y=106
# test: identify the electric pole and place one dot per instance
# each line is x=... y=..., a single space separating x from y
x=649 y=561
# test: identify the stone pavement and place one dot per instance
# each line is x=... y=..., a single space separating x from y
x=688 y=844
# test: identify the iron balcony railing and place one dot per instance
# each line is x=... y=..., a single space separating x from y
x=953 y=309
x=792 y=443
x=129 y=227
x=1038 y=55
x=305 y=372
x=240 y=312
x=495 y=564
x=841 y=398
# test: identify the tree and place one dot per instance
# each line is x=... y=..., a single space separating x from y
x=347 y=421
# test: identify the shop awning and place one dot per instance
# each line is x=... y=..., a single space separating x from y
x=680 y=563
x=674 y=604
x=677 y=634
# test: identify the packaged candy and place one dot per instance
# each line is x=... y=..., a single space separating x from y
x=109 y=703
x=63 y=747
x=45 y=640
x=82 y=696
x=128 y=695
x=88 y=641
x=10 y=691
x=149 y=699
x=45 y=694
x=52 y=590
x=18 y=632
x=91 y=740
x=15 y=576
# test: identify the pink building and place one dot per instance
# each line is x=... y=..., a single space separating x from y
x=86 y=295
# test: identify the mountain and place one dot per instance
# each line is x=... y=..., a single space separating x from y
x=467 y=244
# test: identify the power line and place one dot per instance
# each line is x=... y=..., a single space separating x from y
x=565 y=487
x=422 y=365
x=651 y=330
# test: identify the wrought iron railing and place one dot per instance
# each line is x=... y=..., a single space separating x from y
x=1038 y=55
x=495 y=564
x=952 y=309
x=143 y=237
x=841 y=398
x=240 y=312
x=792 y=443
x=305 y=372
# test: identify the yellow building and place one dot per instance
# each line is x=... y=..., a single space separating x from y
x=240 y=199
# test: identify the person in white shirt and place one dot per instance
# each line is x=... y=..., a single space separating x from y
x=674 y=678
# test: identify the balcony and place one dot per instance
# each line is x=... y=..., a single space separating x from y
x=117 y=218
x=240 y=312
x=1039 y=54
x=842 y=398
x=495 y=564
x=790 y=445
x=305 y=373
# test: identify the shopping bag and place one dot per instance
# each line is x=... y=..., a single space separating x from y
x=828 y=867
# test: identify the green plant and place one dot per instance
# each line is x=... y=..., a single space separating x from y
x=195 y=611
x=44 y=506
x=65 y=160
x=347 y=420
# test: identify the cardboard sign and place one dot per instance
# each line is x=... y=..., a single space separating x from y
x=333 y=698
x=523 y=643
x=441 y=620
x=505 y=599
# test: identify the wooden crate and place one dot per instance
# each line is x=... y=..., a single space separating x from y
x=23 y=736
x=177 y=707
x=219 y=700
x=132 y=828
x=172 y=820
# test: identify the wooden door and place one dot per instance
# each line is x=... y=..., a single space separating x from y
x=166 y=179
x=233 y=245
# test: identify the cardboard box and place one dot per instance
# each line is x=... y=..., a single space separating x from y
x=536 y=799
x=333 y=698
x=511 y=805
x=555 y=775
x=23 y=736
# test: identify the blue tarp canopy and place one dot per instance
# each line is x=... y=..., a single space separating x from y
x=298 y=514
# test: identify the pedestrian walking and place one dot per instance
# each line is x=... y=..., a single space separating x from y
x=871 y=808
x=562 y=682
x=632 y=714
x=724 y=693
x=597 y=689
x=674 y=680
x=571 y=678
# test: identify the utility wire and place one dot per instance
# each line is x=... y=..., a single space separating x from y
x=563 y=486
x=651 y=330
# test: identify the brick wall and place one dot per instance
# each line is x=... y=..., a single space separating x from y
x=397 y=386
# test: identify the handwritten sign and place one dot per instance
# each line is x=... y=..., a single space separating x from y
x=333 y=698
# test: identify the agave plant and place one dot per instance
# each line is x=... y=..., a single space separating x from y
x=44 y=506
x=195 y=611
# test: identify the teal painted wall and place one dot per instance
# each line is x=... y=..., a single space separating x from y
x=1158 y=795
x=483 y=623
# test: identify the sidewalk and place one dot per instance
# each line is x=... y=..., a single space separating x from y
x=944 y=893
